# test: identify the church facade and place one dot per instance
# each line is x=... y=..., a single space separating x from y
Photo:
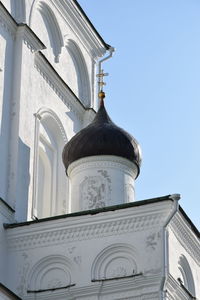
x=73 y=230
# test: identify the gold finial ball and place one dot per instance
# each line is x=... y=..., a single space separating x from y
x=101 y=95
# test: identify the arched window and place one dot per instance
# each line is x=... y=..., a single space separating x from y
x=50 y=183
x=186 y=279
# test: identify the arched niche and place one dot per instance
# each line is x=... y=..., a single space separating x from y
x=50 y=184
x=186 y=277
x=53 y=271
x=117 y=260
x=76 y=73
x=44 y=23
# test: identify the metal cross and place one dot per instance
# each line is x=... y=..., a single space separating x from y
x=101 y=83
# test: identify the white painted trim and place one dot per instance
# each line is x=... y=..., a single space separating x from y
x=186 y=237
x=101 y=160
x=83 y=228
x=39 y=116
x=59 y=86
x=70 y=13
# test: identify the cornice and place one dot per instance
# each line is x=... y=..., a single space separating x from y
x=7 y=22
x=174 y=290
x=88 y=227
x=61 y=89
x=74 y=17
x=22 y=30
x=30 y=39
x=186 y=237
x=142 y=288
x=148 y=284
x=107 y=161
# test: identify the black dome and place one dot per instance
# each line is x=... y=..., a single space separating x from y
x=102 y=137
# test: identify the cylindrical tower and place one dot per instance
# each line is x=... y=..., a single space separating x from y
x=102 y=162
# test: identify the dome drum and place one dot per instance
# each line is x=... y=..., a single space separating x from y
x=102 y=162
x=100 y=181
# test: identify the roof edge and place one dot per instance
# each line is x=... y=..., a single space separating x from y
x=190 y=223
x=91 y=25
x=91 y=212
x=9 y=292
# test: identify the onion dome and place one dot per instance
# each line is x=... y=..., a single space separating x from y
x=102 y=137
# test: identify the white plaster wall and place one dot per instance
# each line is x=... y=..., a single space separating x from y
x=6 y=51
x=3 y=252
x=65 y=65
x=101 y=181
x=176 y=249
x=6 y=216
x=29 y=89
x=36 y=93
x=122 y=241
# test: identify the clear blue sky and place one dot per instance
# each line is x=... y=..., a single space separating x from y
x=153 y=90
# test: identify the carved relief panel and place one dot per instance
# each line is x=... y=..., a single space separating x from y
x=95 y=191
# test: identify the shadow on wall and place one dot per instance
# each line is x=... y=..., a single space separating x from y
x=5 y=117
x=18 y=10
x=77 y=124
x=7 y=148
x=23 y=180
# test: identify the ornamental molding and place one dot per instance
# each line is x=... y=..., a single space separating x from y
x=174 y=290
x=60 y=88
x=43 y=112
x=19 y=30
x=140 y=287
x=23 y=273
x=124 y=257
x=68 y=230
x=99 y=161
x=186 y=237
x=32 y=42
x=80 y=27
x=124 y=289
x=7 y=22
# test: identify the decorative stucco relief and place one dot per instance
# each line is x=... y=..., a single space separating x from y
x=95 y=191
x=109 y=228
x=53 y=271
x=117 y=260
x=21 y=288
x=74 y=255
x=77 y=260
x=152 y=241
x=186 y=238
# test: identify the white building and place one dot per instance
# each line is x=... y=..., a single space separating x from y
x=79 y=236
